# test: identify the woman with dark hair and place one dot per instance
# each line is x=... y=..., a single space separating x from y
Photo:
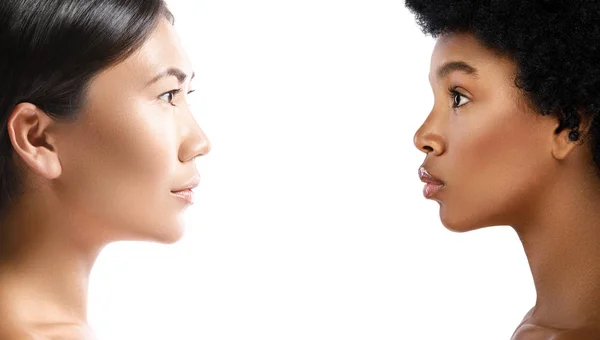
x=97 y=145
x=513 y=138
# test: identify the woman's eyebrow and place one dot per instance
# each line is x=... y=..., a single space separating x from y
x=172 y=71
x=452 y=66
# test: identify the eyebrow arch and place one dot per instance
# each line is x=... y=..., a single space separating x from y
x=452 y=66
x=172 y=71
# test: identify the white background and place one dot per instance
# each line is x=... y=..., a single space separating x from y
x=310 y=222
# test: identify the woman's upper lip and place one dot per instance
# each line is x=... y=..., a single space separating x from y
x=191 y=184
x=426 y=177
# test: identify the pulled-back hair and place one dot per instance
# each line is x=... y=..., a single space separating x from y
x=51 y=49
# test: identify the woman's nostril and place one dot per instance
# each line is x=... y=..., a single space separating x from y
x=427 y=148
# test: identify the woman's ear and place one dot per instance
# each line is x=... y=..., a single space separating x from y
x=565 y=141
x=562 y=145
x=31 y=134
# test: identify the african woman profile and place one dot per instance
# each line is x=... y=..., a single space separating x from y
x=513 y=138
x=97 y=145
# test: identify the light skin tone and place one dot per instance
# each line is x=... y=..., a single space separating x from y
x=503 y=163
x=108 y=175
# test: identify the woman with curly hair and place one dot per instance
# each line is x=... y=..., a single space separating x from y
x=513 y=138
x=97 y=145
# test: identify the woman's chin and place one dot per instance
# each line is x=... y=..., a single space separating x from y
x=171 y=234
x=171 y=239
x=167 y=233
x=459 y=224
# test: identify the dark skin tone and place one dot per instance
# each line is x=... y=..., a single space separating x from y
x=503 y=163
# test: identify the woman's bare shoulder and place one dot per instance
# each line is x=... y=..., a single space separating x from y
x=66 y=331
x=535 y=332
x=579 y=334
x=17 y=333
x=47 y=332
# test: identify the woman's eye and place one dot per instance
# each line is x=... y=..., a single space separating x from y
x=169 y=96
x=458 y=99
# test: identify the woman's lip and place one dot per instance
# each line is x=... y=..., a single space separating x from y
x=426 y=177
x=186 y=195
x=432 y=184
x=192 y=184
x=429 y=190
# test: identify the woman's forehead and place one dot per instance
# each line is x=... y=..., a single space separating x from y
x=162 y=51
x=463 y=49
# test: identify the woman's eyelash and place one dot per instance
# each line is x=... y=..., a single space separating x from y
x=170 y=96
x=457 y=95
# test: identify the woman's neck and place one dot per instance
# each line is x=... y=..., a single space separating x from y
x=44 y=270
x=562 y=244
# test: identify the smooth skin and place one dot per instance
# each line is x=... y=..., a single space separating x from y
x=106 y=176
x=503 y=163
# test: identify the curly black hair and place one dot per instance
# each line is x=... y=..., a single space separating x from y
x=555 y=45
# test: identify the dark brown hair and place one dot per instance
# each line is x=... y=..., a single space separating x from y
x=51 y=49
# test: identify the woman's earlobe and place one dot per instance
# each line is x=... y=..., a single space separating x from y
x=564 y=142
x=31 y=138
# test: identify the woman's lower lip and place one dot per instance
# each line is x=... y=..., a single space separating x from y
x=429 y=190
x=186 y=195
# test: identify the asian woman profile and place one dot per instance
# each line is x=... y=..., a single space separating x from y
x=97 y=145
